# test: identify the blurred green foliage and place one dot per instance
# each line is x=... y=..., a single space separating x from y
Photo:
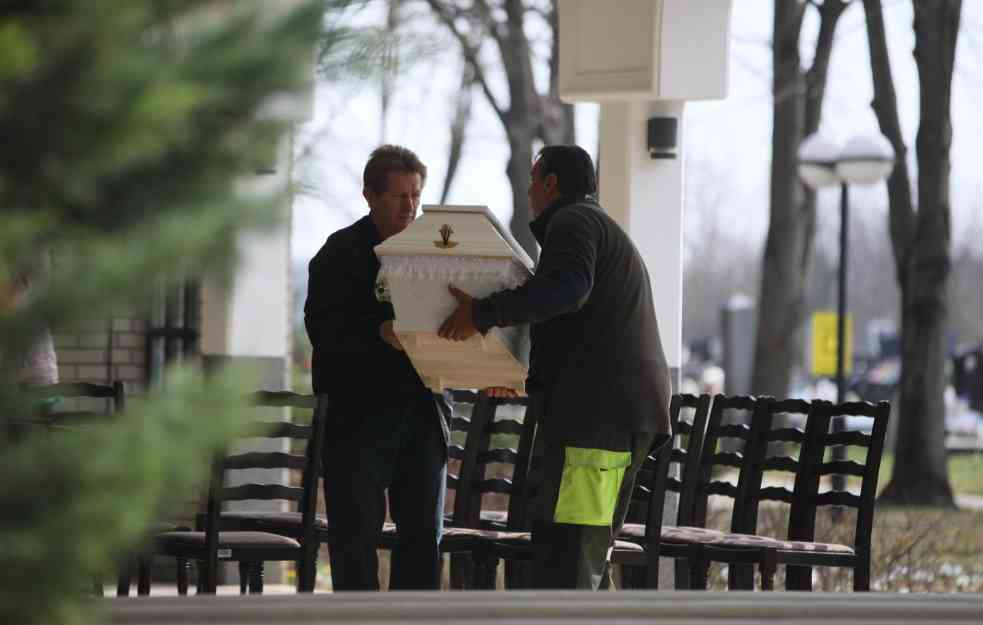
x=125 y=130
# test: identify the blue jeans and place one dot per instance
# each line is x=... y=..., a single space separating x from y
x=395 y=447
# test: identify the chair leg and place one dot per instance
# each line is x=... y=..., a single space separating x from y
x=650 y=577
x=682 y=576
x=123 y=582
x=485 y=572
x=182 y=576
x=97 y=588
x=203 y=581
x=461 y=571
x=699 y=572
x=306 y=574
x=861 y=577
x=518 y=574
x=768 y=566
x=255 y=578
x=243 y=577
x=740 y=576
x=143 y=575
x=798 y=578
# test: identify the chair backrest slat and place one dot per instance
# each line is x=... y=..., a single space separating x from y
x=455 y=451
x=780 y=463
x=733 y=430
x=852 y=437
x=261 y=491
x=787 y=435
x=500 y=485
x=279 y=429
x=265 y=460
x=460 y=423
x=283 y=399
x=842 y=467
x=500 y=455
x=732 y=459
x=723 y=489
x=776 y=493
x=507 y=426
x=838 y=498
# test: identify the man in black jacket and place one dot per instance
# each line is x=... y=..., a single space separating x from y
x=385 y=429
x=598 y=377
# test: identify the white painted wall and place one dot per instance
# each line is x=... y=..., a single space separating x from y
x=249 y=315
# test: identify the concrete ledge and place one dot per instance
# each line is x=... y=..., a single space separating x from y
x=480 y=608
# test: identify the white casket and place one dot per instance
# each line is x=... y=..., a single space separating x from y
x=465 y=246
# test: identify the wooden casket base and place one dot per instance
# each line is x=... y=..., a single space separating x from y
x=460 y=364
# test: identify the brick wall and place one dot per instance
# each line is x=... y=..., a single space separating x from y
x=104 y=350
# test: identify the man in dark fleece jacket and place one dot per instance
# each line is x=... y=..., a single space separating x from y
x=386 y=431
x=598 y=378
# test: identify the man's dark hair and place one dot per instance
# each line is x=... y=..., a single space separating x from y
x=573 y=168
x=389 y=158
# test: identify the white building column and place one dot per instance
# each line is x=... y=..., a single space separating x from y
x=645 y=195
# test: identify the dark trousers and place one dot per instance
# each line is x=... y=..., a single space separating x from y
x=400 y=448
x=570 y=556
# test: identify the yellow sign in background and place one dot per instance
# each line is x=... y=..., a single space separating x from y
x=824 y=344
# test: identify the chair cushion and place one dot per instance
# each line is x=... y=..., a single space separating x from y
x=275 y=518
x=801 y=545
x=626 y=545
x=686 y=534
x=228 y=540
x=747 y=541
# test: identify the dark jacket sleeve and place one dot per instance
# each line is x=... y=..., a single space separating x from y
x=338 y=316
x=563 y=280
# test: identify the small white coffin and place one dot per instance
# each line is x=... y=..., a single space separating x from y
x=465 y=246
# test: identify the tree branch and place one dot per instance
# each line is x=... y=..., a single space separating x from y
x=470 y=51
x=829 y=15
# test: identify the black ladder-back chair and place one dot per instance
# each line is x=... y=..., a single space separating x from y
x=725 y=446
x=288 y=522
x=801 y=552
x=48 y=414
x=252 y=548
x=495 y=536
x=778 y=449
x=651 y=484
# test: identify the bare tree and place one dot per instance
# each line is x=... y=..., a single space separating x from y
x=920 y=238
x=798 y=100
x=528 y=115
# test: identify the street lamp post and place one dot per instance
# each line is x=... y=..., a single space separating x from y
x=862 y=160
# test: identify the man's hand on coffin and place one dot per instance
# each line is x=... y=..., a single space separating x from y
x=460 y=325
x=388 y=335
x=501 y=391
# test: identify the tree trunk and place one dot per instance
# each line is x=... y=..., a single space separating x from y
x=798 y=100
x=920 y=469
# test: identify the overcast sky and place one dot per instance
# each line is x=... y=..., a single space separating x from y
x=726 y=143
